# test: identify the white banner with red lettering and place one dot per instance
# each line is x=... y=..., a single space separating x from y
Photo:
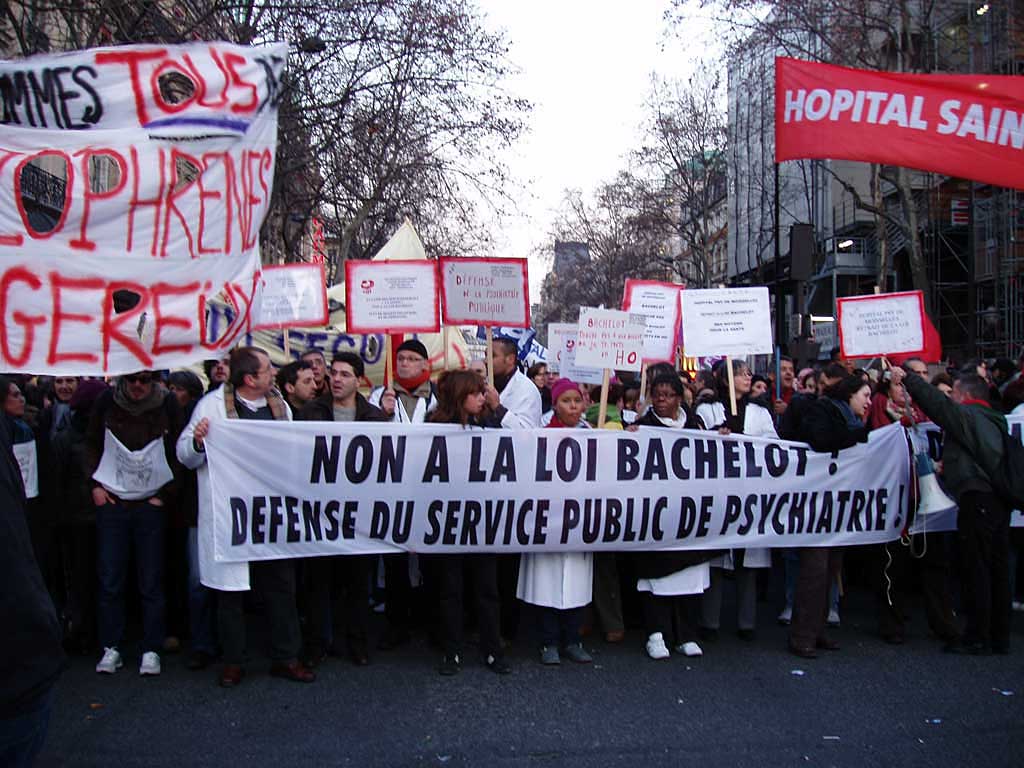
x=133 y=184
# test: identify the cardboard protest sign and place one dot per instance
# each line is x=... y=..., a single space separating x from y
x=562 y=355
x=123 y=211
x=292 y=296
x=659 y=303
x=326 y=488
x=391 y=297
x=881 y=324
x=727 y=321
x=486 y=292
x=609 y=338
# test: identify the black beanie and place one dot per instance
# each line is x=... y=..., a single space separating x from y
x=413 y=345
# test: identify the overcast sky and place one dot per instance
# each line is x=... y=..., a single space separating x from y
x=586 y=65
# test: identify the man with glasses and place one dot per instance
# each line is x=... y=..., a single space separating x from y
x=318 y=363
x=409 y=399
x=249 y=394
x=129 y=454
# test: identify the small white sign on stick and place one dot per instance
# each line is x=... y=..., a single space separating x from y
x=610 y=338
x=732 y=322
x=562 y=355
x=391 y=297
x=881 y=324
x=485 y=291
x=659 y=303
x=292 y=296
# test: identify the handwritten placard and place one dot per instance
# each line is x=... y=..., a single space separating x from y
x=610 y=338
x=391 y=297
x=881 y=324
x=659 y=303
x=485 y=291
x=562 y=355
x=727 y=321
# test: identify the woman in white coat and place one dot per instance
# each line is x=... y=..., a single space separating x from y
x=559 y=583
x=752 y=418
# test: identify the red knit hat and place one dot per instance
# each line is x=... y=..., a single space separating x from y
x=562 y=386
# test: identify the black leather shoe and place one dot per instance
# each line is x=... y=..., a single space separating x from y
x=198 y=660
x=450 y=665
x=498 y=665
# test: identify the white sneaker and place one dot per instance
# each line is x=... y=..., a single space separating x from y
x=786 y=617
x=656 y=647
x=110 y=663
x=150 y=664
x=833 y=618
x=690 y=649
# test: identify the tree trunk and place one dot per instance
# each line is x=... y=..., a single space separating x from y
x=880 y=231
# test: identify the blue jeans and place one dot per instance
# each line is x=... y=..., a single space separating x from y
x=120 y=527
x=201 y=615
x=22 y=736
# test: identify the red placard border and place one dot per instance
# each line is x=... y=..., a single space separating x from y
x=298 y=323
x=444 y=260
x=350 y=327
x=627 y=300
x=875 y=297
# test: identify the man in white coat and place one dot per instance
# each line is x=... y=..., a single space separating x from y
x=249 y=394
x=514 y=400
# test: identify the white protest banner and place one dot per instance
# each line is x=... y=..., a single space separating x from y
x=391 y=297
x=485 y=291
x=927 y=438
x=562 y=355
x=318 y=488
x=881 y=324
x=733 y=322
x=659 y=304
x=124 y=210
x=292 y=296
x=610 y=338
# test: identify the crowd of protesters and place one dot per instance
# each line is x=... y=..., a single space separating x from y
x=114 y=484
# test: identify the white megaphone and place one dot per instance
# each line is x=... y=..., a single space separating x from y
x=933 y=498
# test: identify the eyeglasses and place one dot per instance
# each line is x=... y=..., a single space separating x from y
x=138 y=378
x=409 y=359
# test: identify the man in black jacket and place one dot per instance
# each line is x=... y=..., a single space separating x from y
x=340 y=583
x=972 y=441
x=31 y=657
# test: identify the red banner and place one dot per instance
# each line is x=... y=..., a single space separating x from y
x=970 y=126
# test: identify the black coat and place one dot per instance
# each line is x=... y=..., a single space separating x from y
x=31 y=656
x=322 y=409
x=824 y=427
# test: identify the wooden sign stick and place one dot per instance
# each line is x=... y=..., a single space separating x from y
x=490 y=355
x=387 y=360
x=643 y=381
x=602 y=411
x=732 y=388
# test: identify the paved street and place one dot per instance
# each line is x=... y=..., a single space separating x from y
x=741 y=705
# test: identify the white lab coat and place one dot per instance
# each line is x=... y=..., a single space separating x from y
x=556 y=579
x=757 y=422
x=522 y=400
x=227 y=577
